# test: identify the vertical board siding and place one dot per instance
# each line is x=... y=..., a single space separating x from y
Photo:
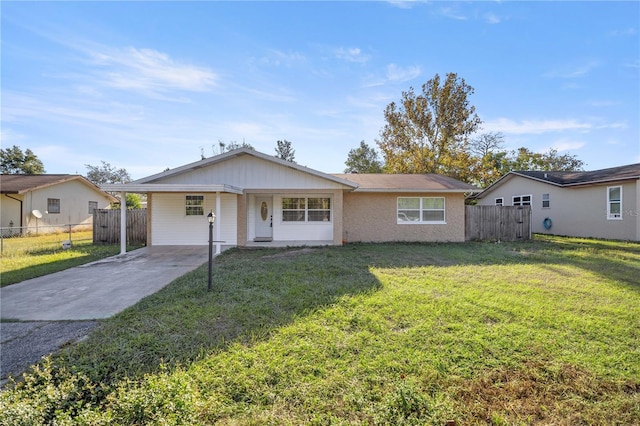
x=497 y=223
x=106 y=226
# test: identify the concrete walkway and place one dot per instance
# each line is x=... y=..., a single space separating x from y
x=99 y=289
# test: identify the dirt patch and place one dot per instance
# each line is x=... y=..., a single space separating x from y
x=545 y=393
x=289 y=254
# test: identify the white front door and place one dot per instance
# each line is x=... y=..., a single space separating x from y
x=264 y=219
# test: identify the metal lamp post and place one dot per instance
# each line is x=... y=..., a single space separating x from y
x=211 y=217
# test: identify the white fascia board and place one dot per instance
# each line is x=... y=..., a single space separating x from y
x=423 y=190
x=150 y=187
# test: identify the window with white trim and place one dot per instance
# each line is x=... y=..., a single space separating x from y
x=522 y=200
x=421 y=210
x=93 y=205
x=53 y=205
x=546 y=201
x=614 y=202
x=500 y=201
x=194 y=205
x=302 y=209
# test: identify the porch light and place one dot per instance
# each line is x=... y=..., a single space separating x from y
x=211 y=218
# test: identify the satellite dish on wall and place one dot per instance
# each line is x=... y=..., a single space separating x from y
x=36 y=214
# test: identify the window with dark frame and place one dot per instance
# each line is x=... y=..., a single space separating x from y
x=53 y=205
x=522 y=200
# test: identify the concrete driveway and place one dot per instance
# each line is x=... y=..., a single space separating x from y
x=99 y=289
x=62 y=308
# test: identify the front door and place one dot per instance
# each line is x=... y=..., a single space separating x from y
x=264 y=219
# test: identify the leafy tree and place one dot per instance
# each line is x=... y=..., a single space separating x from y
x=14 y=161
x=491 y=160
x=134 y=201
x=284 y=151
x=428 y=132
x=363 y=159
x=525 y=159
x=106 y=173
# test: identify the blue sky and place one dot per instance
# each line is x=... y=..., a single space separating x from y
x=149 y=85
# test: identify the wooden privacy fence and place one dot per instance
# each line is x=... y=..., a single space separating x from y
x=498 y=223
x=106 y=226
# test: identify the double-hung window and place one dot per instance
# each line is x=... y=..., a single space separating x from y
x=194 y=205
x=53 y=205
x=546 y=201
x=522 y=200
x=93 y=205
x=614 y=202
x=421 y=210
x=302 y=209
x=500 y=201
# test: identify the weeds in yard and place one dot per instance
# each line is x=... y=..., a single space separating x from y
x=516 y=333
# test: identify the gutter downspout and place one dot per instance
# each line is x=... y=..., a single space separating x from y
x=21 y=212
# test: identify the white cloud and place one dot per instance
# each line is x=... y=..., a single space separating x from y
x=535 y=126
x=148 y=70
x=352 y=54
x=453 y=13
x=574 y=71
x=276 y=58
x=398 y=74
x=567 y=145
x=491 y=18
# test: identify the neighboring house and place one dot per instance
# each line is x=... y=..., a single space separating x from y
x=600 y=204
x=260 y=200
x=58 y=200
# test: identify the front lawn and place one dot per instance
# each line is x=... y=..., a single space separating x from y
x=541 y=332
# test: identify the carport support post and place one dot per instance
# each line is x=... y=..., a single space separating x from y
x=123 y=222
x=218 y=223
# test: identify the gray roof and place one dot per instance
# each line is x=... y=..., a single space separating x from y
x=383 y=182
x=631 y=171
x=569 y=179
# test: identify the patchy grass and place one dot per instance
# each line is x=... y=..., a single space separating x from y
x=34 y=256
x=542 y=332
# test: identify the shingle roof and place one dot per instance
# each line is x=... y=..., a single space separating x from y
x=631 y=171
x=383 y=182
x=19 y=184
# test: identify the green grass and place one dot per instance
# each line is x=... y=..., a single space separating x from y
x=34 y=256
x=541 y=332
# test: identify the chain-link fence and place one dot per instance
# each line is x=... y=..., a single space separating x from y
x=31 y=239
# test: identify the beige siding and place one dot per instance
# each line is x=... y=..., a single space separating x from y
x=579 y=211
x=251 y=173
x=74 y=199
x=372 y=217
x=171 y=226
